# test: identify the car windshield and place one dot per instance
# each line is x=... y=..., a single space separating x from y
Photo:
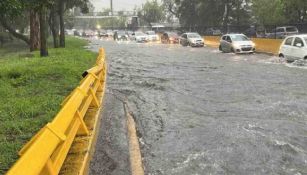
x=172 y=35
x=239 y=38
x=291 y=29
x=139 y=33
x=194 y=35
x=151 y=33
x=121 y=33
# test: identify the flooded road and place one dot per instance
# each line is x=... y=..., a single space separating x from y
x=199 y=111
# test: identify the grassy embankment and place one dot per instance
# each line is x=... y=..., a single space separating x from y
x=31 y=90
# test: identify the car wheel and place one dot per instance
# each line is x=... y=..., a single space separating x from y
x=289 y=61
x=232 y=50
x=305 y=58
x=220 y=48
x=281 y=56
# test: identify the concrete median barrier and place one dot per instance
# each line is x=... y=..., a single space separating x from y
x=213 y=41
x=270 y=46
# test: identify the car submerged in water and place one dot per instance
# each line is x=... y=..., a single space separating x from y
x=236 y=43
x=120 y=36
x=191 y=39
x=294 y=48
x=152 y=36
x=139 y=37
x=170 y=38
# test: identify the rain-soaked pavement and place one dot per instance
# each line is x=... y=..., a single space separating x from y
x=199 y=111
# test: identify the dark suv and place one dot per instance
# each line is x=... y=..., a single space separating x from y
x=170 y=38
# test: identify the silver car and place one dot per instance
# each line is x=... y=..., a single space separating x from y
x=283 y=32
x=191 y=39
x=237 y=43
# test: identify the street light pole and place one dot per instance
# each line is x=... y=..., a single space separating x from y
x=111 y=6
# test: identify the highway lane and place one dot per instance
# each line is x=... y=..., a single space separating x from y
x=199 y=111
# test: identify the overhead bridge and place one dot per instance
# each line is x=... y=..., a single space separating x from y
x=115 y=14
x=96 y=17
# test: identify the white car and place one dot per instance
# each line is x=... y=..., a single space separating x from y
x=152 y=36
x=140 y=37
x=110 y=33
x=191 y=39
x=237 y=43
x=70 y=32
x=294 y=48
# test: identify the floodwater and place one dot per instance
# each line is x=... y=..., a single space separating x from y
x=199 y=111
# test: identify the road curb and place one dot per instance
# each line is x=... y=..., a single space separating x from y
x=136 y=163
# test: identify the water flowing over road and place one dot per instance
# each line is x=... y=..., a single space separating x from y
x=199 y=111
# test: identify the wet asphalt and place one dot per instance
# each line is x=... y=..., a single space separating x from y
x=199 y=111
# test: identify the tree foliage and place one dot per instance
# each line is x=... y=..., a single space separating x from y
x=270 y=13
x=11 y=7
x=151 y=12
x=213 y=12
x=295 y=10
x=237 y=12
x=17 y=14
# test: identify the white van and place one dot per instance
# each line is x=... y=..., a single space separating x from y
x=283 y=32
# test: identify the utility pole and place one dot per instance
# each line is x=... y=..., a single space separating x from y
x=111 y=6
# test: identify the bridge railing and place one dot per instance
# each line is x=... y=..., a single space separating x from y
x=45 y=153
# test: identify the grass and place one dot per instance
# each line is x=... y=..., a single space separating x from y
x=31 y=90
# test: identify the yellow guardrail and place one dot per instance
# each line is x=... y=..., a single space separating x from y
x=45 y=153
x=262 y=44
x=267 y=45
x=212 y=40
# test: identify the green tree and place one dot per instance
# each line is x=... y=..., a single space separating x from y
x=63 y=6
x=34 y=30
x=295 y=10
x=151 y=12
x=10 y=10
x=268 y=12
x=193 y=13
x=187 y=13
x=240 y=12
x=58 y=11
x=170 y=9
x=54 y=24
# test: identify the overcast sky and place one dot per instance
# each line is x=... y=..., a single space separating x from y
x=117 y=4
